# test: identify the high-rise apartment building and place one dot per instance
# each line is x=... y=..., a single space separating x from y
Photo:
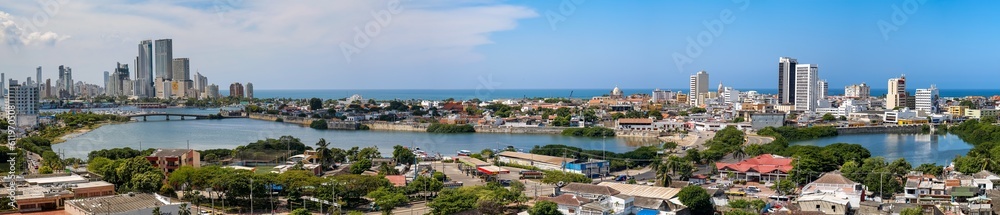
x=24 y=98
x=118 y=83
x=862 y=91
x=182 y=69
x=927 y=100
x=806 y=80
x=249 y=87
x=200 y=82
x=698 y=88
x=786 y=80
x=144 y=86
x=236 y=90
x=38 y=77
x=213 y=91
x=823 y=89
x=65 y=83
x=164 y=59
x=896 y=96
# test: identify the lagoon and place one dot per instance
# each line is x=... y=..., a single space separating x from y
x=915 y=148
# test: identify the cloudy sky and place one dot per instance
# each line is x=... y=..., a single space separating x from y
x=455 y=44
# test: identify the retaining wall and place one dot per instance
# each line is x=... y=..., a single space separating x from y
x=881 y=129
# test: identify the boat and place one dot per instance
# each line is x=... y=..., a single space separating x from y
x=464 y=152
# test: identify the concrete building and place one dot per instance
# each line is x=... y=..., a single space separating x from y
x=860 y=91
x=980 y=113
x=50 y=192
x=762 y=120
x=661 y=96
x=762 y=168
x=957 y=111
x=236 y=90
x=200 y=82
x=137 y=204
x=545 y=162
x=698 y=88
x=927 y=100
x=896 y=96
x=116 y=83
x=824 y=203
x=164 y=59
x=895 y=116
x=169 y=160
x=786 y=80
x=24 y=98
x=806 y=79
x=835 y=184
x=823 y=89
x=65 y=83
x=249 y=87
x=213 y=91
x=144 y=87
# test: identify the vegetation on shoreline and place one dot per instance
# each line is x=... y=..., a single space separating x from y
x=639 y=157
x=450 y=128
x=984 y=136
x=589 y=132
x=795 y=133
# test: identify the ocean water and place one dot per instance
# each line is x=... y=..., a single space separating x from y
x=488 y=94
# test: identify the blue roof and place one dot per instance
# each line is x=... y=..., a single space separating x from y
x=648 y=212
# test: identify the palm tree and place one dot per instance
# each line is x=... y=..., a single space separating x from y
x=663 y=173
x=322 y=152
x=739 y=153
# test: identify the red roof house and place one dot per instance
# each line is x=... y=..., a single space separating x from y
x=764 y=167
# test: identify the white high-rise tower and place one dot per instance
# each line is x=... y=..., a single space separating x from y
x=698 y=88
x=806 y=87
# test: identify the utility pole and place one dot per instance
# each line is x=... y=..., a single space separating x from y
x=251 y=196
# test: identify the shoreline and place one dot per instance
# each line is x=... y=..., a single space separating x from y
x=81 y=131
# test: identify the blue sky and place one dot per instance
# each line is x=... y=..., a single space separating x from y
x=465 y=44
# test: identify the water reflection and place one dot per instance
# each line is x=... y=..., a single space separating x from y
x=915 y=148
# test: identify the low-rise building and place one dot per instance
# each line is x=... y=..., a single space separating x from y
x=765 y=167
x=123 y=204
x=169 y=160
x=836 y=184
x=957 y=111
x=50 y=193
x=826 y=203
x=980 y=113
x=762 y=120
x=587 y=167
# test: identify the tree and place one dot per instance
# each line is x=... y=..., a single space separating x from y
x=829 y=117
x=843 y=118
x=655 y=114
x=785 y=186
x=738 y=120
x=930 y=168
x=315 y=104
x=184 y=210
x=912 y=211
x=45 y=170
x=452 y=201
x=696 y=199
x=300 y=211
x=318 y=124
x=361 y=166
x=545 y=208
x=156 y=211
x=387 y=199
x=403 y=155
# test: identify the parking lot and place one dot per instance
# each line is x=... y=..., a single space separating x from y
x=532 y=186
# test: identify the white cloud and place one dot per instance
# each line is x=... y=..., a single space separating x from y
x=16 y=36
x=237 y=40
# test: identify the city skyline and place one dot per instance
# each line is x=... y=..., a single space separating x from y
x=499 y=44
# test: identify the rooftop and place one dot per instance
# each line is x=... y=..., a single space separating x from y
x=566 y=199
x=664 y=193
x=536 y=157
x=70 y=179
x=590 y=189
x=169 y=152
x=119 y=203
x=763 y=164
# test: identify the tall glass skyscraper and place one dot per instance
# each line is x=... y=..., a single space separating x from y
x=144 y=70
x=164 y=59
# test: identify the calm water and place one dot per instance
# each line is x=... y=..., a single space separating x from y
x=916 y=148
x=229 y=133
x=487 y=94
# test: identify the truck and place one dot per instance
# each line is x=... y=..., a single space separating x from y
x=532 y=175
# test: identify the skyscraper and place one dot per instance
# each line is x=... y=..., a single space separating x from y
x=182 y=69
x=144 y=70
x=896 y=96
x=118 y=82
x=823 y=89
x=698 y=88
x=164 y=59
x=927 y=100
x=786 y=80
x=38 y=77
x=806 y=86
x=249 y=90
x=236 y=90
x=107 y=81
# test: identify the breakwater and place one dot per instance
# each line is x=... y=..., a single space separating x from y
x=891 y=129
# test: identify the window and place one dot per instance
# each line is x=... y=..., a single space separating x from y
x=817 y=207
x=834 y=207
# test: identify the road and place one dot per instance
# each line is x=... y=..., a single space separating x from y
x=758 y=140
x=415 y=208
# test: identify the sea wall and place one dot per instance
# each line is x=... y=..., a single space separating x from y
x=519 y=130
x=387 y=126
x=304 y=121
x=880 y=129
x=628 y=133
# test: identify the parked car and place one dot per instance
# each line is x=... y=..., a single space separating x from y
x=753 y=189
x=505 y=182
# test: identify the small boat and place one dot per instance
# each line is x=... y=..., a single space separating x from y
x=464 y=152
